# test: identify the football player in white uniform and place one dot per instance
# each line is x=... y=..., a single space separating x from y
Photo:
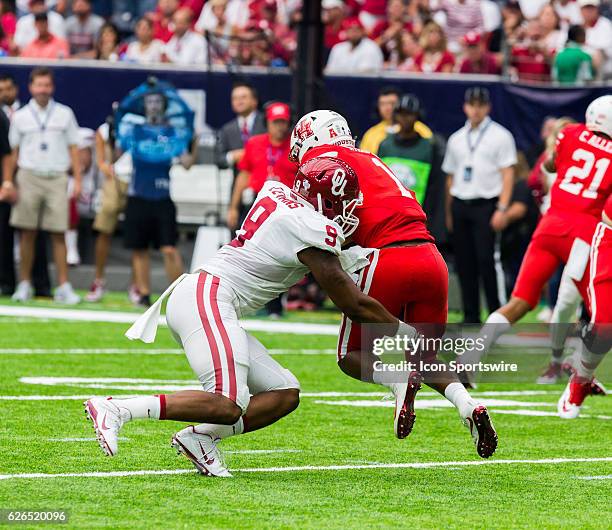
x=283 y=236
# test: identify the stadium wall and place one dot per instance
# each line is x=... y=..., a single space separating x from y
x=90 y=87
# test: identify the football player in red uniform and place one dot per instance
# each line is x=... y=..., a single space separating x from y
x=597 y=335
x=406 y=274
x=582 y=160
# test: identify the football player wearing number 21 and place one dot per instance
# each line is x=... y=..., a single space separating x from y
x=284 y=235
x=582 y=160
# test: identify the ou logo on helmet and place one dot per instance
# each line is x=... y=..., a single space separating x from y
x=338 y=182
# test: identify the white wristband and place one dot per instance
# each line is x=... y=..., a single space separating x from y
x=406 y=330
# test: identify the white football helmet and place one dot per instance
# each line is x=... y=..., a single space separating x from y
x=599 y=115
x=320 y=127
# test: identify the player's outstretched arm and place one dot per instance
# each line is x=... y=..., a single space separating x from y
x=357 y=306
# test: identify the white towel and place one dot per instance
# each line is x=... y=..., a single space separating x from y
x=145 y=327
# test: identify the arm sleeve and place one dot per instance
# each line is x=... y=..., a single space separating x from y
x=507 y=151
x=72 y=130
x=310 y=229
x=14 y=134
x=449 y=164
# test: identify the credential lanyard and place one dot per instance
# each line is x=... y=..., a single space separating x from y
x=473 y=147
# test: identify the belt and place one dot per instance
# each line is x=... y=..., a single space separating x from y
x=412 y=243
x=474 y=202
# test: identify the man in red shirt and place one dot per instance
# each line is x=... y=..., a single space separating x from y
x=406 y=274
x=265 y=158
x=477 y=59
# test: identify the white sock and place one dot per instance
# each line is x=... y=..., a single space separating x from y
x=151 y=407
x=386 y=378
x=459 y=396
x=494 y=327
x=221 y=431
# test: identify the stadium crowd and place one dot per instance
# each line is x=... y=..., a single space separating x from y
x=532 y=40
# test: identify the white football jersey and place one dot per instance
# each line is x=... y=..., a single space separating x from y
x=261 y=262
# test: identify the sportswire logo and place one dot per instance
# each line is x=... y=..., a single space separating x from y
x=338 y=183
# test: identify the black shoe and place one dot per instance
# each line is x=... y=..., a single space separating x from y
x=145 y=301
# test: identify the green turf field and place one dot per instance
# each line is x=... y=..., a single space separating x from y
x=346 y=470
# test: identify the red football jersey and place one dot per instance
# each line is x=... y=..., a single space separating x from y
x=584 y=172
x=390 y=213
x=608 y=207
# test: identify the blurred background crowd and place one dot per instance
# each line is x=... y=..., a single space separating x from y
x=565 y=41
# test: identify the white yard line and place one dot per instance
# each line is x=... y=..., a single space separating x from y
x=406 y=465
x=596 y=477
x=522 y=412
x=118 y=317
x=142 y=351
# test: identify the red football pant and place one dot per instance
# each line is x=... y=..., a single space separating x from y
x=544 y=255
x=600 y=277
x=412 y=284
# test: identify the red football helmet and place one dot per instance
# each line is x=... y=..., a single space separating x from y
x=331 y=186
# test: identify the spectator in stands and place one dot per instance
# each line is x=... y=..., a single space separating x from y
x=568 y=11
x=218 y=30
x=530 y=58
x=282 y=38
x=233 y=136
x=573 y=65
x=43 y=137
x=387 y=32
x=145 y=49
x=434 y=56
x=388 y=98
x=462 y=16
x=479 y=162
x=46 y=45
x=235 y=13
x=355 y=55
x=371 y=12
x=26 y=31
x=162 y=19
x=186 y=46
x=417 y=162
x=491 y=16
x=83 y=27
x=334 y=13
x=253 y=48
x=8 y=23
x=107 y=47
x=598 y=36
x=402 y=58
x=116 y=170
x=150 y=214
x=552 y=38
x=477 y=60
x=125 y=13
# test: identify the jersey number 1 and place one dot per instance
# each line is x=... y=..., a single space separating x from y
x=582 y=173
x=258 y=213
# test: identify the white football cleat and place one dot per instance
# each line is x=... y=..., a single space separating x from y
x=405 y=394
x=570 y=402
x=483 y=433
x=202 y=450
x=107 y=420
x=64 y=294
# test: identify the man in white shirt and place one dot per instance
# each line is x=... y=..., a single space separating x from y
x=355 y=55
x=186 y=46
x=598 y=36
x=43 y=137
x=26 y=32
x=479 y=162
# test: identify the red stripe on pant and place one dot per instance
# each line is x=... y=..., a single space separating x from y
x=227 y=345
x=214 y=347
